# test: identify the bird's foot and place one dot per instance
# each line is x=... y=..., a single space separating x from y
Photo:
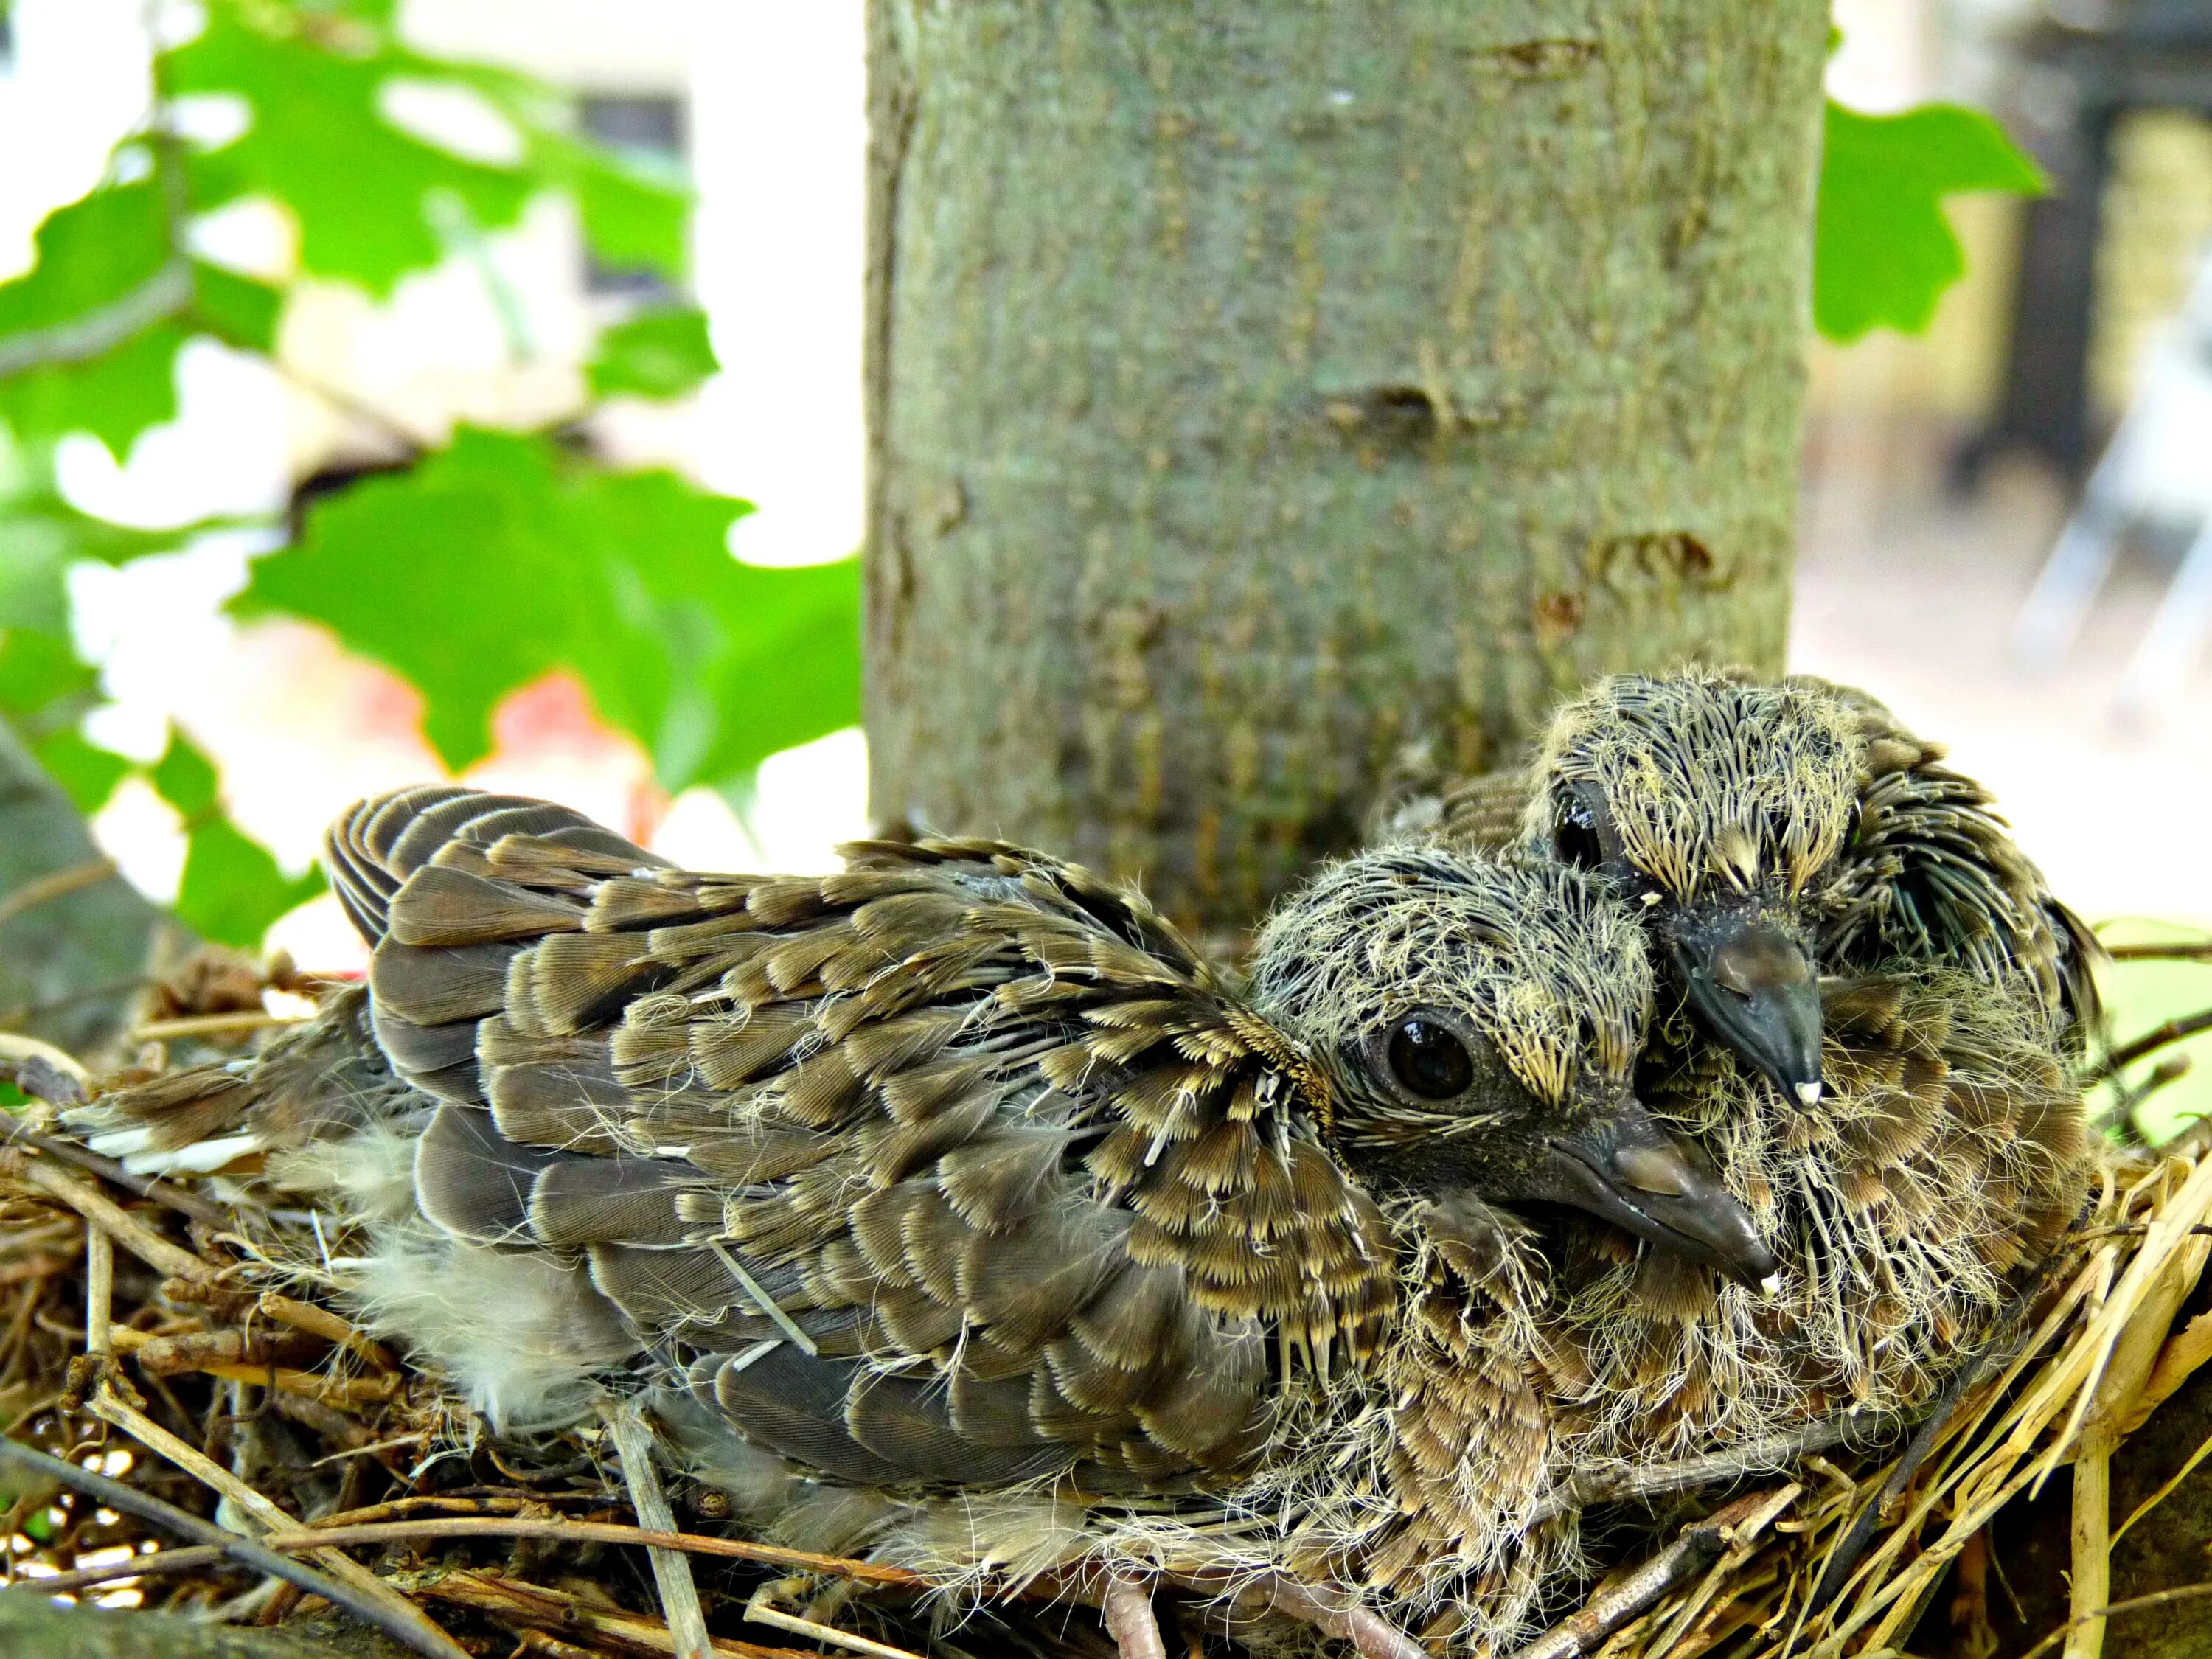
x=1372 y=1635
x=1126 y=1602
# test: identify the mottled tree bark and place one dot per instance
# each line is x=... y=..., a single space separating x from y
x=1254 y=388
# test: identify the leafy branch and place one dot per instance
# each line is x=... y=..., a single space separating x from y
x=488 y=558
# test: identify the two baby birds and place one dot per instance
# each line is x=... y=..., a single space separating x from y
x=954 y=1209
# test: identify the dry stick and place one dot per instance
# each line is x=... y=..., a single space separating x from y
x=108 y=1168
x=195 y=1025
x=1773 y=1451
x=1742 y=1540
x=2150 y=1043
x=2090 y=1585
x=537 y=1641
x=2126 y=1374
x=1972 y=1476
x=317 y=1386
x=1700 y=1545
x=155 y=1438
x=2173 y=1485
x=57 y=883
x=761 y=1610
x=295 y=1537
x=672 y=1572
x=129 y=1500
x=2178 y=1361
x=1984 y=1487
x=1995 y=1355
x=191 y=1558
x=1995 y=1468
x=1127 y=1607
x=2133 y=1604
x=2121 y=1117
x=490 y=1504
x=1969 y=1612
x=98 y=1293
x=2198 y=951
x=157 y=1252
x=538 y=1604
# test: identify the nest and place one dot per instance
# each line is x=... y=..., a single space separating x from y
x=204 y=1433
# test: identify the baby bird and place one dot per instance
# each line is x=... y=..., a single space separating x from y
x=1805 y=863
x=1949 y=1154
x=1775 y=833
x=955 y=1202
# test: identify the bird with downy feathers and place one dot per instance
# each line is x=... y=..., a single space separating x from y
x=1775 y=834
x=953 y=1209
x=1884 y=1000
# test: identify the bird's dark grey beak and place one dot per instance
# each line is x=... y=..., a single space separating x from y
x=1754 y=988
x=1627 y=1168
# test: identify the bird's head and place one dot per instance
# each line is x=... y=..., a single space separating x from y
x=1714 y=804
x=1480 y=1023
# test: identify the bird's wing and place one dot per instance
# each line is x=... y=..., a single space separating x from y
x=1486 y=812
x=382 y=841
x=958 y=1166
x=1932 y=874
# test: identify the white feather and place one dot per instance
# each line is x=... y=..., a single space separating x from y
x=521 y=1338
x=201 y=1158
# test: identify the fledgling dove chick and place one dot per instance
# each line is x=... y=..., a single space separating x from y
x=952 y=1208
x=1803 y=862
x=1774 y=833
x=1906 y=1210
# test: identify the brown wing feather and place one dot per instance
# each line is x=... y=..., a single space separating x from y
x=979 y=1131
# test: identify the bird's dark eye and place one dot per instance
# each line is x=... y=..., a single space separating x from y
x=1429 y=1059
x=1574 y=837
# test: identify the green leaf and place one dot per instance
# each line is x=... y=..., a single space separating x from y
x=43 y=692
x=311 y=78
x=38 y=669
x=502 y=559
x=318 y=143
x=633 y=217
x=660 y=353
x=41 y=534
x=237 y=310
x=233 y=889
x=114 y=396
x=185 y=778
x=90 y=254
x=94 y=254
x=1883 y=252
x=86 y=773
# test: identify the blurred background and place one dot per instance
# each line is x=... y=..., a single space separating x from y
x=1942 y=468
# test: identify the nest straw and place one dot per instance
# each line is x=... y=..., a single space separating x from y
x=174 y=1332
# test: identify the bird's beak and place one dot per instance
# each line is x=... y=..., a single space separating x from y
x=1754 y=988
x=1625 y=1168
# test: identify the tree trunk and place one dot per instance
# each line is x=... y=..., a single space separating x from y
x=1255 y=388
